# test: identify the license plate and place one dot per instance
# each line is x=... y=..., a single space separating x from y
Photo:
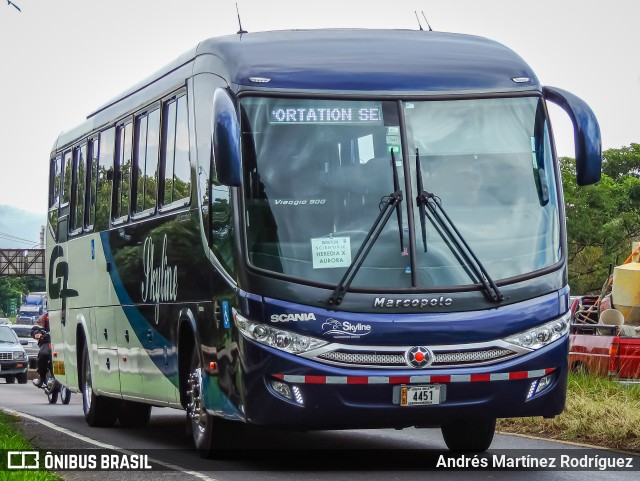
x=419 y=395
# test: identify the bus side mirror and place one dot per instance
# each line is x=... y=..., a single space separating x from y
x=586 y=135
x=226 y=139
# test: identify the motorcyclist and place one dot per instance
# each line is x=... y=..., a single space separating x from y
x=40 y=332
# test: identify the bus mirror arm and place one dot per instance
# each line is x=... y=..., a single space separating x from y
x=225 y=144
x=587 y=138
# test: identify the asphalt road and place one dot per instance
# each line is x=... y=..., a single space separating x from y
x=253 y=453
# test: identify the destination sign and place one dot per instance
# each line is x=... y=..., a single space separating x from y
x=329 y=113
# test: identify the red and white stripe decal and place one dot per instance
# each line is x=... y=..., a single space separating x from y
x=449 y=378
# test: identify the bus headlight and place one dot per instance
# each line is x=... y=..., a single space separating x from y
x=275 y=337
x=542 y=335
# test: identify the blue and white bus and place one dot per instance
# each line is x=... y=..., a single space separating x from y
x=324 y=229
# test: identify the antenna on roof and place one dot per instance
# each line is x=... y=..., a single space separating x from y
x=241 y=31
x=10 y=3
x=425 y=19
x=418 y=19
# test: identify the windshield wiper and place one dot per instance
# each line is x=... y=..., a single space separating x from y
x=434 y=204
x=390 y=202
x=421 y=204
x=396 y=188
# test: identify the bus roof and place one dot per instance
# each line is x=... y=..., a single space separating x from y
x=338 y=60
x=370 y=60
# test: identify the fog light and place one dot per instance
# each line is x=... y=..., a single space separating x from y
x=544 y=383
x=539 y=386
x=282 y=389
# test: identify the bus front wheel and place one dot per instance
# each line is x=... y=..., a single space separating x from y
x=99 y=411
x=470 y=435
x=199 y=422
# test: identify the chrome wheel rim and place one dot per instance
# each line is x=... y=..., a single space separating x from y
x=196 y=410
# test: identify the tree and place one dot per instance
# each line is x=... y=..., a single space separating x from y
x=618 y=163
x=602 y=219
x=11 y=288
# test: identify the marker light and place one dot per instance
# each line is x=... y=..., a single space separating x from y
x=275 y=337
x=542 y=335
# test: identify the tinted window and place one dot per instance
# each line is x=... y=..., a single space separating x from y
x=146 y=160
x=55 y=177
x=54 y=181
x=66 y=189
x=175 y=152
x=92 y=178
x=105 y=176
x=122 y=183
x=79 y=182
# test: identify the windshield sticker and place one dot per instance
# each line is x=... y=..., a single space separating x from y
x=331 y=252
x=393 y=141
x=345 y=329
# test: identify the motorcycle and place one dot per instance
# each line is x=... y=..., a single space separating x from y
x=54 y=390
x=52 y=387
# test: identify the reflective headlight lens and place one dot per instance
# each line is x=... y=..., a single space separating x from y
x=19 y=355
x=542 y=335
x=274 y=337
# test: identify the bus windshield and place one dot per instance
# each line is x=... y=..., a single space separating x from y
x=317 y=173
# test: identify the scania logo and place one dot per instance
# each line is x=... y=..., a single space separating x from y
x=419 y=357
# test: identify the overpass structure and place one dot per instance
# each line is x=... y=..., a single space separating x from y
x=21 y=262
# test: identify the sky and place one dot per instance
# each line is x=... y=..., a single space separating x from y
x=61 y=59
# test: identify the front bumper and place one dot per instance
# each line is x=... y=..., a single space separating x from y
x=12 y=368
x=337 y=398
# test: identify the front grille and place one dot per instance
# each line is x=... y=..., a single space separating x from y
x=6 y=356
x=395 y=358
x=466 y=357
x=366 y=358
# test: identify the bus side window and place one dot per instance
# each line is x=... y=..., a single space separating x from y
x=67 y=172
x=92 y=178
x=145 y=169
x=175 y=153
x=78 y=189
x=55 y=172
x=104 y=179
x=122 y=177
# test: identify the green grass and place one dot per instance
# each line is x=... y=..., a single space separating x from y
x=11 y=438
x=599 y=411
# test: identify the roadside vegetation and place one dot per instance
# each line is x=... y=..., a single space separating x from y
x=11 y=438
x=599 y=411
x=602 y=219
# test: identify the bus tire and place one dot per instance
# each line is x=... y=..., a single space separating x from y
x=99 y=411
x=134 y=415
x=199 y=423
x=470 y=435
